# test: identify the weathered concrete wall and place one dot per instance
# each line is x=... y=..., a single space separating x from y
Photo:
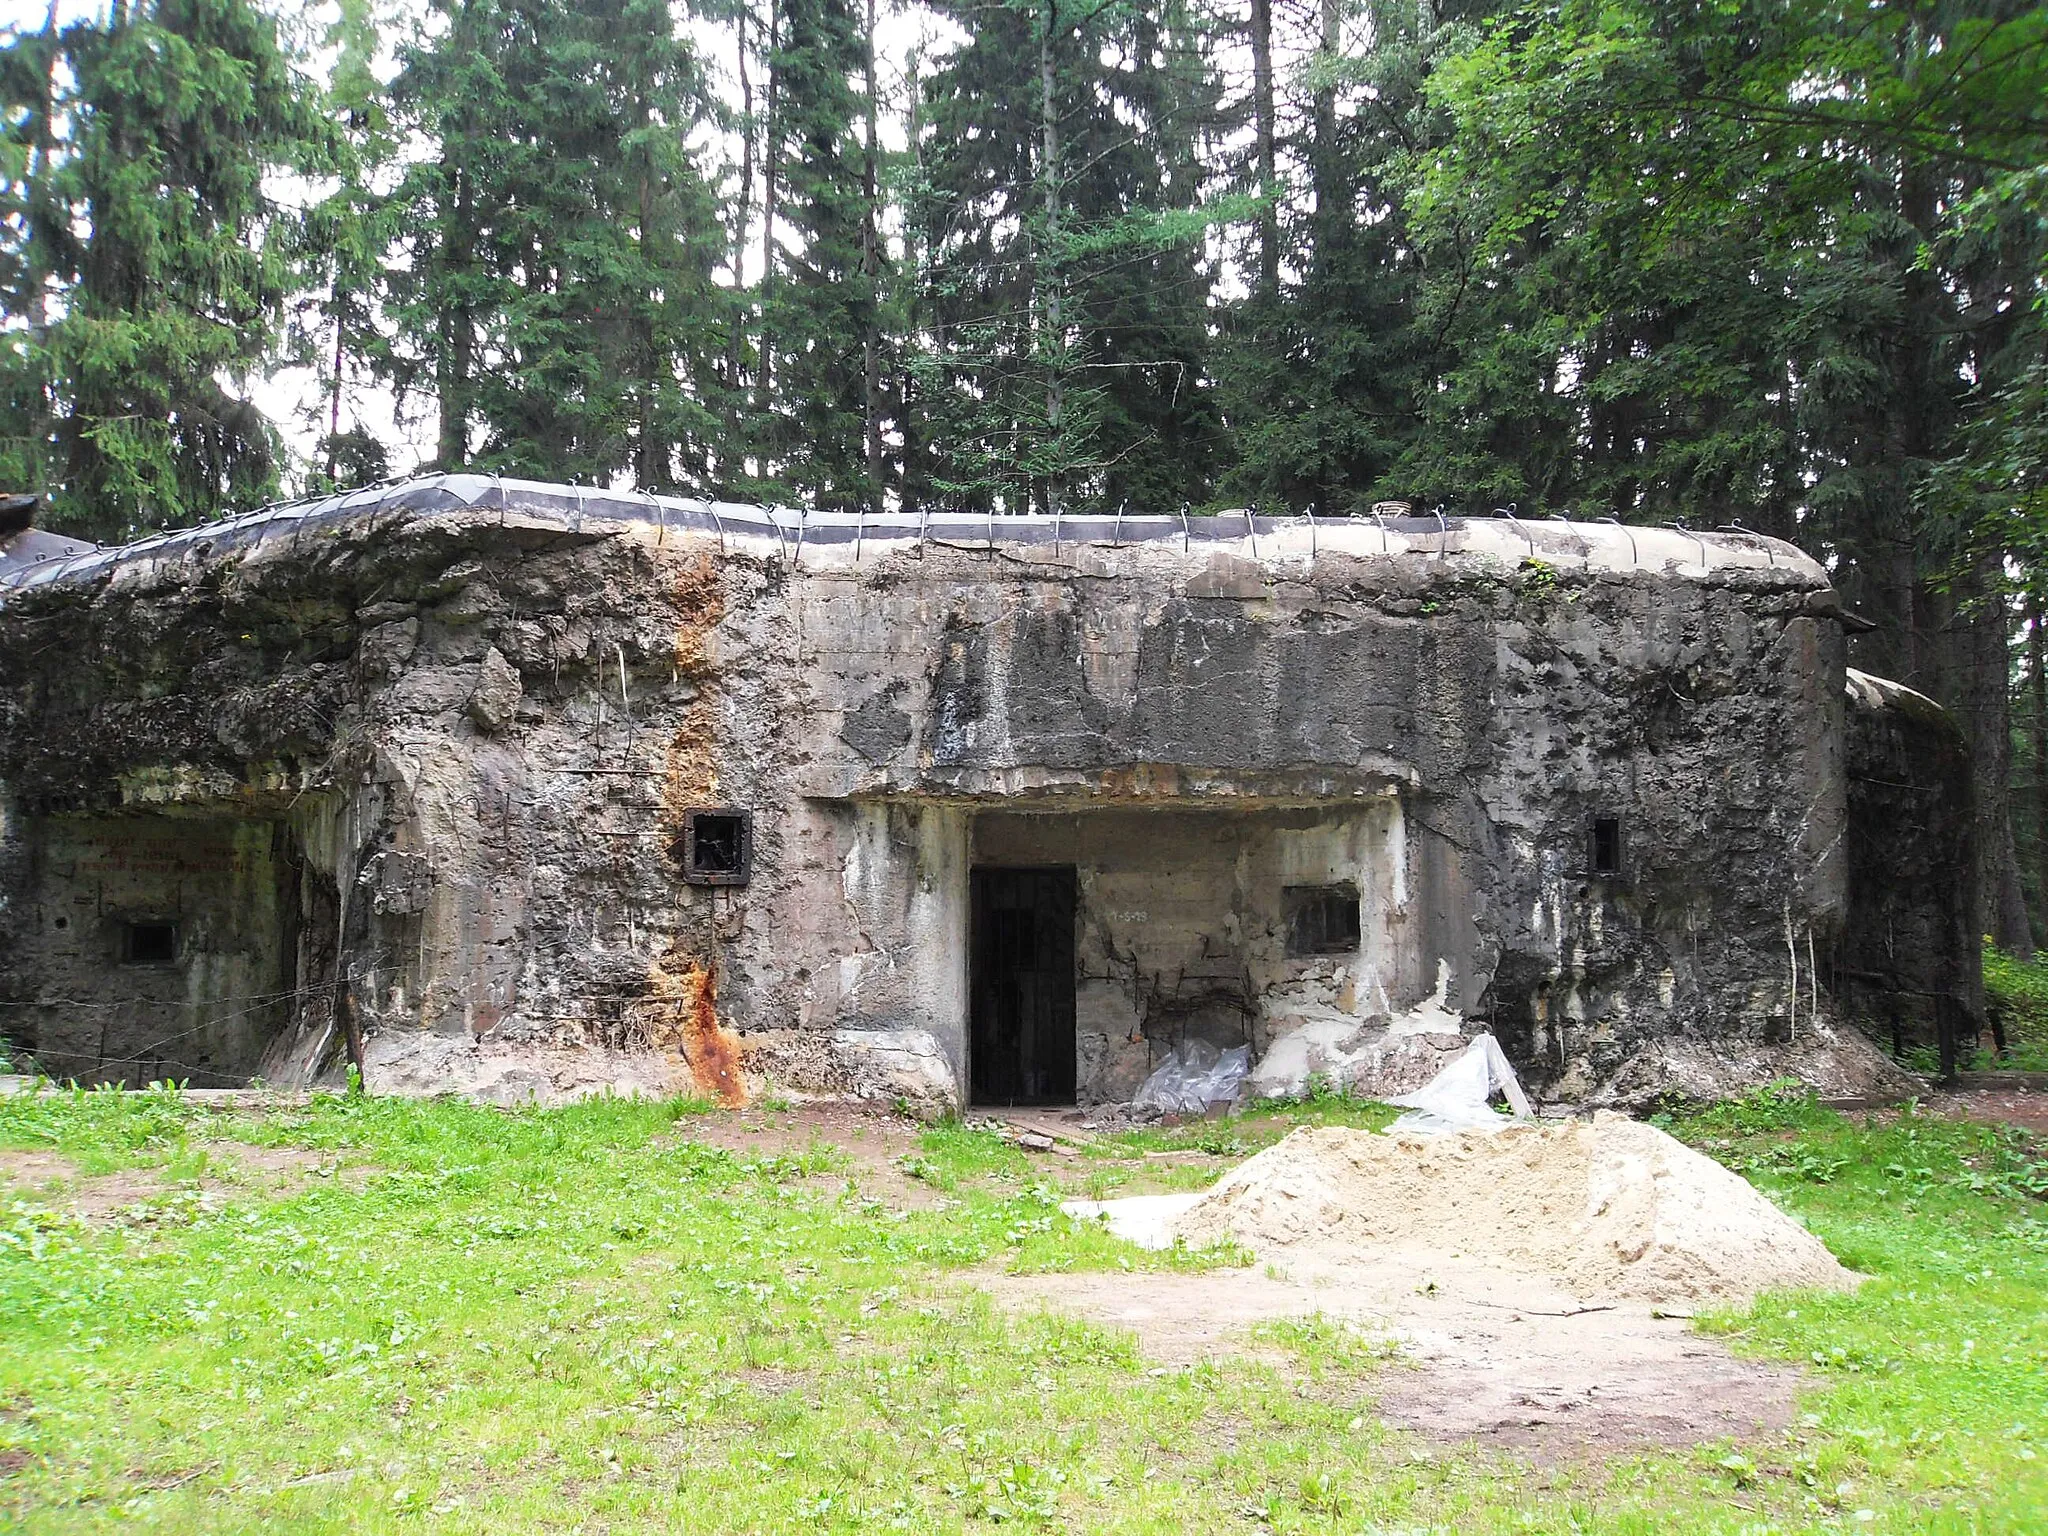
x=214 y=903
x=486 y=712
x=1911 y=954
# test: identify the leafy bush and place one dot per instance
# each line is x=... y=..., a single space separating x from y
x=2017 y=991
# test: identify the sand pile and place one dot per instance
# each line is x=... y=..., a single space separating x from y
x=1610 y=1208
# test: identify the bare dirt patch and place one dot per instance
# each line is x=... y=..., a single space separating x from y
x=1482 y=1354
x=873 y=1142
x=231 y=1169
x=2019 y=1106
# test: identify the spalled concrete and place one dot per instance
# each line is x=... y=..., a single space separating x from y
x=470 y=722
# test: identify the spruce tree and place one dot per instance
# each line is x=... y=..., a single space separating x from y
x=1066 y=360
x=558 y=295
x=822 y=288
x=147 y=265
x=343 y=242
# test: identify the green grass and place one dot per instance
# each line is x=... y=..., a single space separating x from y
x=582 y=1320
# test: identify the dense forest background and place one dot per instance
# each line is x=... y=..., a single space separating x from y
x=1777 y=263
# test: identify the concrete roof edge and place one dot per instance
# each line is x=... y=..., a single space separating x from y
x=842 y=538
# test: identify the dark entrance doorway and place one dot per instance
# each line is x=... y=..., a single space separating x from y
x=1020 y=1046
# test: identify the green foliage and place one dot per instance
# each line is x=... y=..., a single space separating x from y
x=146 y=270
x=557 y=297
x=2017 y=990
x=821 y=302
x=1066 y=284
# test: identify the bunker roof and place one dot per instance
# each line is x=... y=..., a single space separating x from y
x=821 y=539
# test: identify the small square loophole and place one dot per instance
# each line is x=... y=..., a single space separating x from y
x=717 y=847
x=150 y=944
x=1321 y=919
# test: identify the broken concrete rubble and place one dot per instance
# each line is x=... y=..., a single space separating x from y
x=522 y=790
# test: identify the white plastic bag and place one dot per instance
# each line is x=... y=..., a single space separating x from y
x=1456 y=1099
x=1224 y=1082
x=1194 y=1076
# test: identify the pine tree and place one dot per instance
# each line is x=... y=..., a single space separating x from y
x=820 y=295
x=1734 y=293
x=1066 y=356
x=148 y=265
x=343 y=245
x=559 y=290
x=1323 y=372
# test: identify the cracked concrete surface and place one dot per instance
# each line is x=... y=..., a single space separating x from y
x=408 y=775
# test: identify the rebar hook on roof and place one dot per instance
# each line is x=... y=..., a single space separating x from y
x=1186 y=536
x=1770 y=554
x=1386 y=544
x=1528 y=538
x=1634 y=558
x=1706 y=564
x=660 y=517
x=1310 y=512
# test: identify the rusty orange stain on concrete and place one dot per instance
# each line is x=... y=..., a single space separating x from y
x=692 y=768
x=712 y=1050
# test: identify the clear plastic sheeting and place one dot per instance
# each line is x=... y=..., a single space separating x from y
x=1194 y=1076
x=1460 y=1098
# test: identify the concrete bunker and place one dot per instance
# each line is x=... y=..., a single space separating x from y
x=529 y=791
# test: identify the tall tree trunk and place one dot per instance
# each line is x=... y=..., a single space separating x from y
x=2037 y=682
x=771 y=149
x=871 y=267
x=1331 y=204
x=1263 y=120
x=458 y=339
x=916 y=302
x=42 y=238
x=1986 y=699
x=334 y=394
x=1054 y=337
x=650 y=456
x=742 y=216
